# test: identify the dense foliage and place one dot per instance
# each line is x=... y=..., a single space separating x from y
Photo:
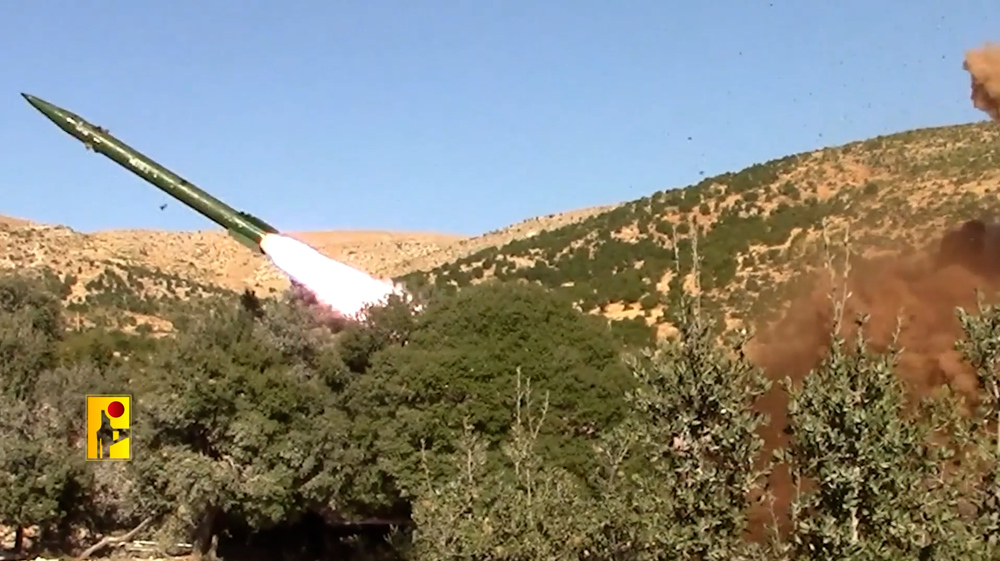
x=498 y=423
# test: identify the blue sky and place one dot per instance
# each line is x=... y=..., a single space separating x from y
x=454 y=116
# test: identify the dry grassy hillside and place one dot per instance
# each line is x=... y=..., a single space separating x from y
x=134 y=273
x=525 y=229
x=760 y=227
x=214 y=257
x=135 y=269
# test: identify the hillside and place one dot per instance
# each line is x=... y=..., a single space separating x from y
x=116 y=275
x=525 y=229
x=760 y=227
x=135 y=277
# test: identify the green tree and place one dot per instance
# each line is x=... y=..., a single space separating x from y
x=38 y=459
x=238 y=418
x=518 y=508
x=382 y=326
x=680 y=474
x=880 y=488
x=980 y=346
x=460 y=361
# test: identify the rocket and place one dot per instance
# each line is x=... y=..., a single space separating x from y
x=246 y=228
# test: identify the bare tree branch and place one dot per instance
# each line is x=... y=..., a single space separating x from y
x=109 y=540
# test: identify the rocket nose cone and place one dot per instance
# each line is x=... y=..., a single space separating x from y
x=56 y=114
x=34 y=101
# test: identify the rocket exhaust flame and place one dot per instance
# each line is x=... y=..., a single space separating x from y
x=343 y=288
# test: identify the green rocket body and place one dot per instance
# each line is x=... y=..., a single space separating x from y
x=246 y=228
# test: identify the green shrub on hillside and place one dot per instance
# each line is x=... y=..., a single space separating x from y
x=680 y=472
x=34 y=471
x=980 y=346
x=43 y=479
x=586 y=263
x=622 y=254
x=388 y=325
x=518 y=508
x=675 y=480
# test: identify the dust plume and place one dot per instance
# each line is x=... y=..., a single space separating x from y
x=916 y=292
x=983 y=65
x=920 y=289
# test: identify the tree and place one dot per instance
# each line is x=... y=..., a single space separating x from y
x=980 y=346
x=38 y=459
x=520 y=508
x=460 y=362
x=681 y=473
x=382 y=326
x=239 y=419
x=879 y=487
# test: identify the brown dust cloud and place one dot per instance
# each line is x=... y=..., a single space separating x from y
x=983 y=66
x=919 y=289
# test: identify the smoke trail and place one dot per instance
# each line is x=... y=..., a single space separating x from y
x=983 y=65
x=346 y=290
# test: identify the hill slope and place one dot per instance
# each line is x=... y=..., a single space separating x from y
x=760 y=227
x=135 y=277
x=134 y=273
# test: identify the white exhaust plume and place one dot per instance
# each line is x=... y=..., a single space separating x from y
x=343 y=288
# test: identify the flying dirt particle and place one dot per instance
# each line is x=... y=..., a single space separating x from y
x=983 y=66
